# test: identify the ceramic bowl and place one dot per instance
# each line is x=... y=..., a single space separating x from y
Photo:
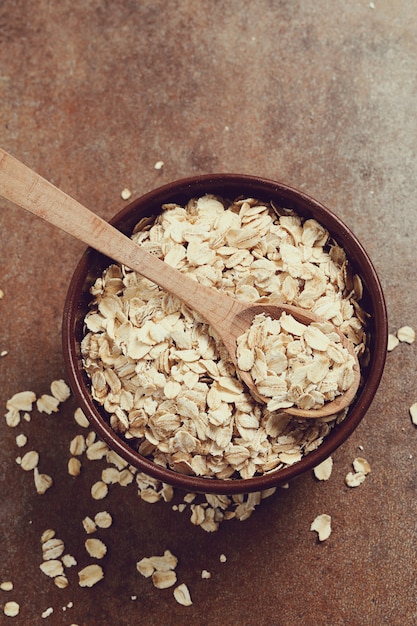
x=230 y=186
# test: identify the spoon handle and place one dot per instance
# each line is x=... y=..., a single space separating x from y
x=29 y=190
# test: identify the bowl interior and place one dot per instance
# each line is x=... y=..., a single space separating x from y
x=229 y=186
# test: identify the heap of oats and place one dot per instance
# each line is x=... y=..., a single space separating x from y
x=161 y=373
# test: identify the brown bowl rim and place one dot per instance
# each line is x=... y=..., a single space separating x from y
x=227 y=185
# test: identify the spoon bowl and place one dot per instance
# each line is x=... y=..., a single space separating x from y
x=243 y=319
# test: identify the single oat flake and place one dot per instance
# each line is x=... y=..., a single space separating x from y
x=354 y=479
x=80 y=418
x=164 y=579
x=21 y=440
x=324 y=469
x=322 y=525
x=30 y=460
x=145 y=567
x=95 y=548
x=90 y=575
x=60 y=390
x=52 y=549
x=61 y=582
x=47 y=404
x=22 y=401
x=182 y=595
x=47 y=534
x=125 y=194
x=413 y=413
x=406 y=334
x=11 y=609
x=7 y=585
x=393 y=342
x=52 y=568
x=43 y=482
x=68 y=560
x=89 y=525
x=361 y=465
x=74 y=466
x=103 y=519
x=99 y=490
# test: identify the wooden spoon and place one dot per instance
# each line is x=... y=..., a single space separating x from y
x=229 y=317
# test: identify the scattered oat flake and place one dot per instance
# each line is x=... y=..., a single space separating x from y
x=11 y=609
x=30 y=460
x=413 y=413
x=12 y=418
x=47 y=612
x=159 y=165
x=68 y=560
x=47 y=404
x=52 y=568
x=95 y=548
x=22 y=401
x=361 y=465
x=1 y=294
x=322 y=525
x=60 y=390
x=7 y=585
x=324 y=469
x=103 y=519
x=223 y=558
x=164 y=579
x=145 y=567
x=74 y=466
x=205 y=574
x=90 y=575
x=182 y=595
x=52 y=549
x=110 y=475
x=126 y=193
x=21 y=440
x=61 y=582
x=47 y=535
x=354 y=479
x=97 y=450
x=393 y=342
x=77 y=445
x=4 y=353
x=406 y=334
x=80 y=418
x=89 y=525
x=99 y=490
x=43 y=482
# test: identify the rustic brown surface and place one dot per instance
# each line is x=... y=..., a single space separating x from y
x=319 y=95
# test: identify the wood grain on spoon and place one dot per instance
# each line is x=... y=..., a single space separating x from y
x=229 y=317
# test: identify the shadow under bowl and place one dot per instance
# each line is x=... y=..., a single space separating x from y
x=229 y=186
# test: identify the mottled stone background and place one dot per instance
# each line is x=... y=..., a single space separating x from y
x=319 y=95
